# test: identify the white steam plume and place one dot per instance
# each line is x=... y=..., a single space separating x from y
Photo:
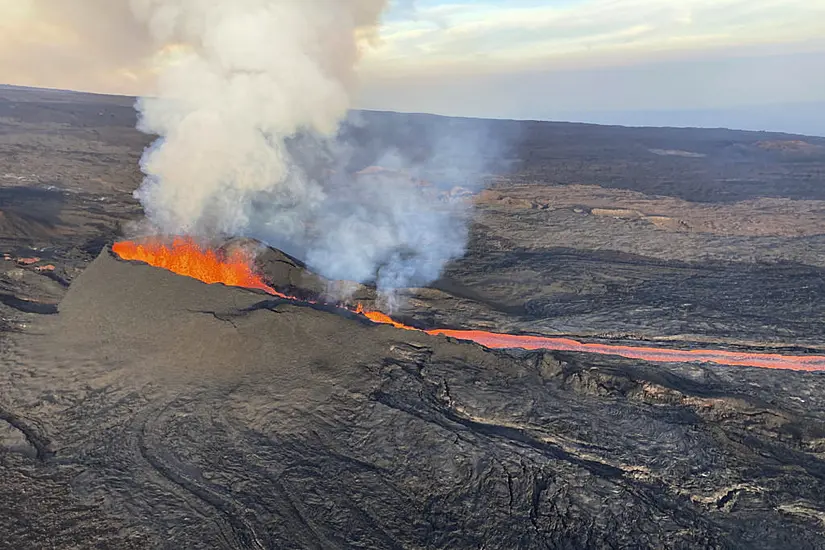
x=248 y=105
x=249 y=116
x=251 y=106
x=247 y=75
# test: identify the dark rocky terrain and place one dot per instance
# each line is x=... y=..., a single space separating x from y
x=140 y=409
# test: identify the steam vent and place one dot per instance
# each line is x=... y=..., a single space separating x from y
x=207 y=416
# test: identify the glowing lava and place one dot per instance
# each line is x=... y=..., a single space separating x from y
x=185 y=257
x=721 y=357
x=381 y=318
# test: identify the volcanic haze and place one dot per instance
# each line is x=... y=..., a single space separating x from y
x=248 y=79
x=247 y=110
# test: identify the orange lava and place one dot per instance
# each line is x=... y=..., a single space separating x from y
x=185 y=257
x=721 y=357
x=381 y=318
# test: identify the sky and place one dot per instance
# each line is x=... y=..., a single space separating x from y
x=756 y=64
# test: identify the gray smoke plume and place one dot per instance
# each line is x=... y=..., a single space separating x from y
x=251 y=142
x=395 y=198
x=256 y=137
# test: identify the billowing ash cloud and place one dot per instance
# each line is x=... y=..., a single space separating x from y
x=256 y=137
x=252 y=143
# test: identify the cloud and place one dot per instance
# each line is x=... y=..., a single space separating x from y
x=478 y=36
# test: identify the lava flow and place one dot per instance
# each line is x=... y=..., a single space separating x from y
x=185 y=257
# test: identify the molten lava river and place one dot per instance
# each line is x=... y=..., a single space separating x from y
x=185 y=257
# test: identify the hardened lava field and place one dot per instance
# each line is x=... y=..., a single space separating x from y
x=144 y=409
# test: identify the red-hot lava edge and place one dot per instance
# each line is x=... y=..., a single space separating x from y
x=185 y=257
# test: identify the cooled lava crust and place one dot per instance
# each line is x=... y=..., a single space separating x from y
x=205 y=415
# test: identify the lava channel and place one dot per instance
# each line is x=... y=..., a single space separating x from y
x=186 y=257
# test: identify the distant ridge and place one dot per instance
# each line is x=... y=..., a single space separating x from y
x=10 y=92
x=801 y=118
x=671 y=121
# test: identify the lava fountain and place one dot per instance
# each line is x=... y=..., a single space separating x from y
x=185 y=256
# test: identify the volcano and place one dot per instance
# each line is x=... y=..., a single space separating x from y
x=217 y=415
x=235 y=266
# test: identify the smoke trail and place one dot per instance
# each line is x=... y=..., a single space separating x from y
x=255 y=134
x=249 y=116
